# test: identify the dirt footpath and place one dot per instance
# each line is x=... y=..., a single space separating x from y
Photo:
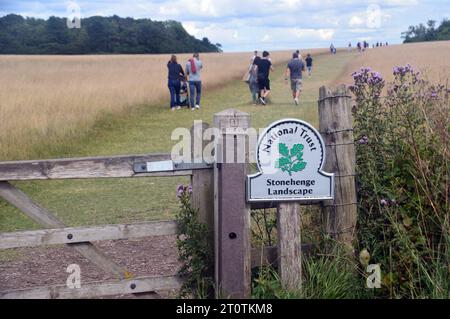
x=44 y=266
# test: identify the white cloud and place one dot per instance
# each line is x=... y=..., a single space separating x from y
x=207 y=7
x=326 y=34
x=191 y=28
x=292 y=3
x=402 y=2
x=355 y=21
x=362 y=30
x=323 y=34
x=168 y=11
x=266 y=38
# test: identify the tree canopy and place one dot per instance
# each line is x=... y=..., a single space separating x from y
x=428 y=32
x=97 y=35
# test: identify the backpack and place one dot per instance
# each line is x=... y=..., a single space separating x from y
x=193 y=66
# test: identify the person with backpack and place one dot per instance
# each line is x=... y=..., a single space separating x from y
x=193 y=70
x=309 y=63
x=175 y=74
x=295 y=68
x=264 y=66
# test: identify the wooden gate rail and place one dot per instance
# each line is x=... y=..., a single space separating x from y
x=70 y=235
x=97 y=289
x=83 y=168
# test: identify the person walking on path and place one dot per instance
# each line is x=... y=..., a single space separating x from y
x=193 y=70
x=295 y=68
x=309 y=63
x=247 y=75
x=264 y=66
x=255 y=55
x=332 y=49
x=253 y=81
x=176 y=73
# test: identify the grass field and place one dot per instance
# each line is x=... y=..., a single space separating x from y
x=147 y=129
x=48 y=102
x=432 y=59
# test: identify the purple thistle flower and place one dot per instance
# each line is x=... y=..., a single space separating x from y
x=190 y=189
x=363 y=140
x=180 y=190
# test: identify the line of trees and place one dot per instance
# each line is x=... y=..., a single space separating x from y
x=428 y=32
x=97 y=35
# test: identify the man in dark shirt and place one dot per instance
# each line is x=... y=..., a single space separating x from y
x=295 y=68
x=264 y=67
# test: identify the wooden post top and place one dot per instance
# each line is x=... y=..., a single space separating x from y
x=341 y=90
x=231 y=119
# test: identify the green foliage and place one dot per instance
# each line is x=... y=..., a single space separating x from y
x=332 y=276
x=421 y=33
x=97 y=35
x=267 y=285
x=194 y=249
x=264 y=224
x=325 y=276
x=402 y=165
x=291 y=161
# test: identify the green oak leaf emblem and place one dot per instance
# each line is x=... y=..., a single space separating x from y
x=291 y=161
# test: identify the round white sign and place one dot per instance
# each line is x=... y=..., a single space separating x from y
x=290 y=156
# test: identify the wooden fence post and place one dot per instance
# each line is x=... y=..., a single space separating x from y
x=289 y=245
x=233 y=246
x=336 y=128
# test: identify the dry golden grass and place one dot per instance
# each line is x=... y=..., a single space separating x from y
x=431 y=58
x=52 y=98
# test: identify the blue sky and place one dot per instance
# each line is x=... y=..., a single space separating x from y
x=244 y=25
